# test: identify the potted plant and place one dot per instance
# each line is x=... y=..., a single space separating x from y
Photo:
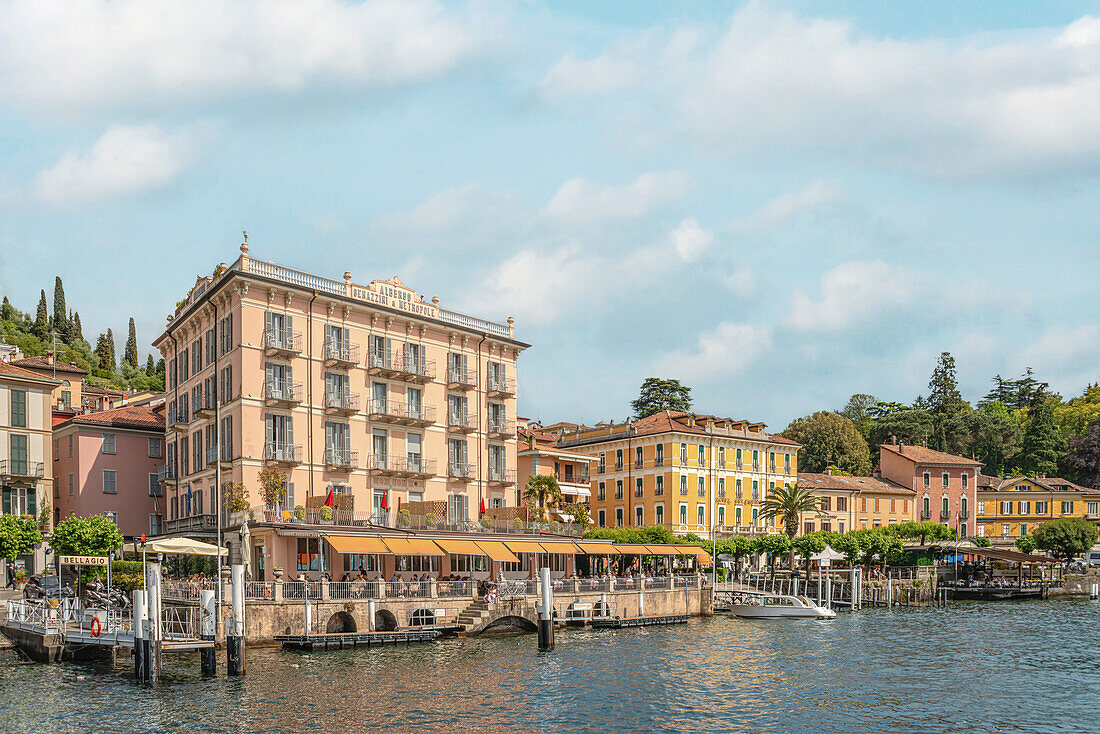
x=326 y=513
x=431 y=519
x=299 y=512
x=404 y=519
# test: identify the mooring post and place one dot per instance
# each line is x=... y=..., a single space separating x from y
x=208 y=622
x=154 y=628
x=370 y=614
x=889 y=593
x=546 y=619
x=308 y=615
x=829 y=590
x=140 y=618
x=604 y=608
x=234 y=643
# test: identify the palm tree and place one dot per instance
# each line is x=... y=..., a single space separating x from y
x=544 y=490
x=788 y=503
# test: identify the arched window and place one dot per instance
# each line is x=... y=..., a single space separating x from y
x=926 y=505
x=945 y=507
x=962 y=506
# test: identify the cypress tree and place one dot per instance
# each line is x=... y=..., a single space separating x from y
x=104 y=354
x=130 y=357
x=60 y=321
x=7 y=311
x=78 y=332
x=111 y=348
x=41 y=327
x=150 y=366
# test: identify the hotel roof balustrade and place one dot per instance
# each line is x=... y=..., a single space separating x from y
x=341 y=354
x=22 y=469
x=282 y=341
x=343 y=403
x=280 y=391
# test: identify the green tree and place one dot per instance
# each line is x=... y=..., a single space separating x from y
x=806 y=545
x=85 y=536
x=1066 y=537
x=738 y=546
x=1026 y=543
x=994 y=437
x=272 y=485
x=18 y=536
x=8 y=312
x=1073 y=418
x=875 y=543
x=60 y=315
x=772 y=546
x=829 y=439
x=925 y=532
x=850 y=545
x=1083 y=459
x=105 y=354
x=543 y=491
x=150 y=367
x=130 y=356
x=658 y=394
x=860 y=411
x=947 y=406
x=111 y=348
x=41 y=327
x=982 y=542
x=76 y=332
x=1043 y=446
x=908 y=424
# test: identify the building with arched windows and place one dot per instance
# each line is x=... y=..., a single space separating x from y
x=945 y=485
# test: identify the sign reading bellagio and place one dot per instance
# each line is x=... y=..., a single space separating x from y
x=395 y=294
x=82 y=560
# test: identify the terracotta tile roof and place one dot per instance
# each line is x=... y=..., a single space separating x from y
x=128 y=416
x=1053 y=484
x=93 y=390
x=668 y=421
x=7 y=368
x=869 y=485
x=44 y=364
x=925 y=455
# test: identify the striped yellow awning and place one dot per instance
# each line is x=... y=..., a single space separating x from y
x=497 y=551
x=524 y=546
x=672 y=550
x=597 y=549
x=633 y=549
x=460 y=546
x=412 y=547
x=356 y=544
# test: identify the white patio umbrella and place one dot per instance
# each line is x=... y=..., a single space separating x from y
x=828 y=555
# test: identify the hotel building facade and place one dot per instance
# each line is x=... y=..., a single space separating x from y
x=944 y=485
x=1015 y=506
x=391 y=402
x=688 y=472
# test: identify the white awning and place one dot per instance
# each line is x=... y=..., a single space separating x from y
x=581 y=490
x=179 y=546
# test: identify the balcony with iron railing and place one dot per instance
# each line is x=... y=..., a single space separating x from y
x=341 y=403
x=282 y=341
x=925 y=515
x=460 y=470
x=501 y=475
x=401 y=466
x=211 y=455
x=283 y=453
x=461 y=422
x=282 y=392
x=945 y=515
x=504 y=386
x=393 y=411
x=178 y=421
x=207 y=523
x=461 y=379
x=401 y=367
x=501 y=428
x=965 y=514
x=577 y=476
x=206 y=407
x=341 y=354
x=166 y=473
x=638 y=493
x=22 y=469
x=341 y=459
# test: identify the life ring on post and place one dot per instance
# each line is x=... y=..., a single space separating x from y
x=96 y=628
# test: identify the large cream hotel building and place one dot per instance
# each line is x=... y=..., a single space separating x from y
x=691 y=473
x=391 y=401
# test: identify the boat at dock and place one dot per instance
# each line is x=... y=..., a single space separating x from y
x=776 y=606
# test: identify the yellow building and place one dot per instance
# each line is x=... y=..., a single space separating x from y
x=855 y=503
x=1013 y=507
x=690 y=473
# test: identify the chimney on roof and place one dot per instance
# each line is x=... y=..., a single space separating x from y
x=829 y=470
x=1042 y=476
x=49 y=357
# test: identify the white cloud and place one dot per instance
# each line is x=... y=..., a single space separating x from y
x=461 y=207
x=125 y=160
x=740 y=282
x=724 y=351
x=690 y=241
x=577 y=77
x=775 y=83
x=581 y=201
x=852 y=293
x=792 y=204
x=138 y=54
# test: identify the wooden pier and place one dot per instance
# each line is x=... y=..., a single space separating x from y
x=652 y=621
x=341 y=640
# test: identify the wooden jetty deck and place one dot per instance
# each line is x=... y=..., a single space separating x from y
x=651 y=621
x=341 y=640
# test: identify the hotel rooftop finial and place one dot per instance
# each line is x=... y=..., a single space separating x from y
x=244 y=245
x=347 y=275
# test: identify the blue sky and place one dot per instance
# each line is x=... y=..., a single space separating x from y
x=778 y=203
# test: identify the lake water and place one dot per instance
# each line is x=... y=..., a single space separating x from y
x=1008 y=667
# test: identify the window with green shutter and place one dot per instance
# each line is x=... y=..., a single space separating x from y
x=19 y=408
x=18 y=455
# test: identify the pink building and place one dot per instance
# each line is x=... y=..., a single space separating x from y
x=945 y=484
x=108 y=463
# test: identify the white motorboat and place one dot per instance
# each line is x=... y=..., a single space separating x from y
x=767 y=606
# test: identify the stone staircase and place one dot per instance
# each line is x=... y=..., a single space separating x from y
x=475 y=615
